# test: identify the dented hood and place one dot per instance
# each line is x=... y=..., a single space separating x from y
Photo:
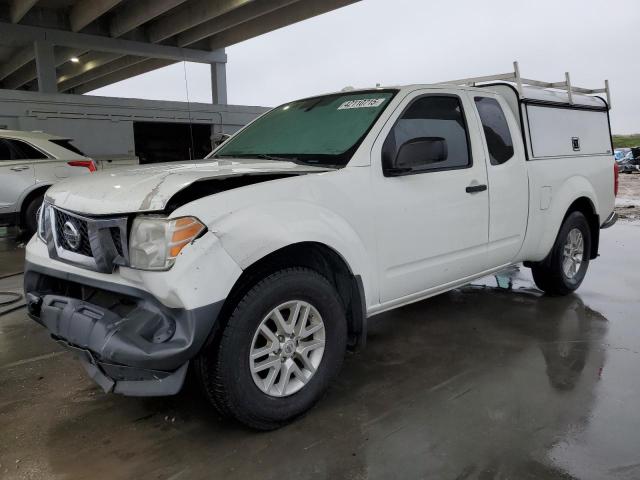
x=149 y=188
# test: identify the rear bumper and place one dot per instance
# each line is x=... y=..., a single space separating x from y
x=610 y=221
x=128 y=342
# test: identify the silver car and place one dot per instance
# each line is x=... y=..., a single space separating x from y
x=30 y=162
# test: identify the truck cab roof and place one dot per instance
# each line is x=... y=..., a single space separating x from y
x=531 y=93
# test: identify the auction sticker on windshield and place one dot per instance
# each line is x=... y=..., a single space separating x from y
x=362 y=103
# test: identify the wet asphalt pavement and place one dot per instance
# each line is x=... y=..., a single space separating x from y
x=493 y=380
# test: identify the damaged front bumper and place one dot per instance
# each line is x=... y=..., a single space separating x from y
x=128 y=342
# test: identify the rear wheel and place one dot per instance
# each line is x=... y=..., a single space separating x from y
x=564 y=269
x=281 y=347
x=30 y=216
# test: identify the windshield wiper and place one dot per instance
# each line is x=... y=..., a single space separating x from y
x=265 y=156
x=296 y=160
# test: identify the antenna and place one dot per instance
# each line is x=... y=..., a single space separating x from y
x=192 y=150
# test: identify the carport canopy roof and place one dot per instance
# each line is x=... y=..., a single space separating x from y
x=76 y=46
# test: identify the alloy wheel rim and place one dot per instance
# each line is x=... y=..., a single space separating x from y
x=573 y=253
x=287 y=348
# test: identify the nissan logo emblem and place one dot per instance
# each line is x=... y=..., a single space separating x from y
x=71 y=234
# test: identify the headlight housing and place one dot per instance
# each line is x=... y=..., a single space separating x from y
x=156 y=241
x=43 y=221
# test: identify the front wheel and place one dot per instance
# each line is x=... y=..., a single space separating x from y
x=281 y=347
x=564 y=269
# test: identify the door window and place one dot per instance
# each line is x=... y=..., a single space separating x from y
x=496 y=130
x=5 y=151
x=435 y=117
x=23 y=151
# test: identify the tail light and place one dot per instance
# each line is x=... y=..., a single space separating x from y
x=83 y=163
x=616 y=172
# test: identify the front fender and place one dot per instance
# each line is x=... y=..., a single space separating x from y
x=255 y=231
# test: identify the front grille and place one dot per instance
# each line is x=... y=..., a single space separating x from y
x=84 y=247
x=97 y=243
x=117 y=239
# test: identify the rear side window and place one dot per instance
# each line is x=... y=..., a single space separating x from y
x=435 y=116
x=496 y=130
x=24 y=151
x=68 y=145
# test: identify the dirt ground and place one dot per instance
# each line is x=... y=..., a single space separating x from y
x=628 y=200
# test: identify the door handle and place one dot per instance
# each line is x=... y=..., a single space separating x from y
x=20 y=168
x=476 y=188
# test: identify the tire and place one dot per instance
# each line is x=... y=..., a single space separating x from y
x=551 y=274
x=30 y=216
x=224 y=369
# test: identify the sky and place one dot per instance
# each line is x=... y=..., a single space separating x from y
x=396 y=42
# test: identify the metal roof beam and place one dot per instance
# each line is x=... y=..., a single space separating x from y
x=137 y=13
x=297 y=12
x=231 y=19
x=87 y=11
x=89 y=61
x=28 y=72
x=113 y=45
x=19 y=8
x=18 y=60
x=190 y=15
x=99 y=72
x=123 y=74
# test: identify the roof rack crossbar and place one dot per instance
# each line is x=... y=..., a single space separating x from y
x=520 y=82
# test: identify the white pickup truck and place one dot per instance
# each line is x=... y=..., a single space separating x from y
x=260 y=266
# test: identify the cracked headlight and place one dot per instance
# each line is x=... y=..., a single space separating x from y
x=156 y=241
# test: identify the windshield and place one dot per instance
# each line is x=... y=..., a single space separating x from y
x=323 y=130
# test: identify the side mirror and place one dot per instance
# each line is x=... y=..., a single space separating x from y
x=420 y=152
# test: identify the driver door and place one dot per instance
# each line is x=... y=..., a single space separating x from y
x=433 y=222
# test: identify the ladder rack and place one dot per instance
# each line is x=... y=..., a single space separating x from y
x=520 y=82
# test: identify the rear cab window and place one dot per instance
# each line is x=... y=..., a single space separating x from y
x=496 y=130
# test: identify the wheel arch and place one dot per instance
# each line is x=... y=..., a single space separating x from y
x=584 y=205
x=576 y=193
x=315 y=256
x=35 y=191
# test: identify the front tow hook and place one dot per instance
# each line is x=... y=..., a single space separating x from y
x=34 y=304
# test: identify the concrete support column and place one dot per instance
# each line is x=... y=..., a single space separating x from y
x=46 y=67
x=219 y=83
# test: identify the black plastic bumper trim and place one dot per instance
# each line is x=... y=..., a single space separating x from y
x=158 y=384
x=150 y=339
x=610 y=221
